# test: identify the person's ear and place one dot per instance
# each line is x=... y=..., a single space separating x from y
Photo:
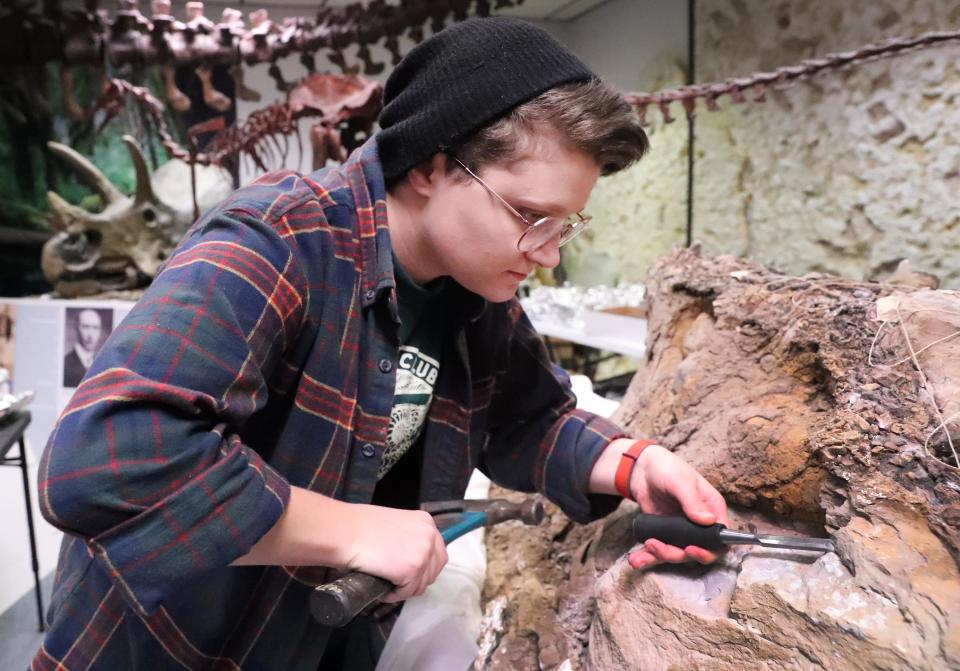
x=423 y=177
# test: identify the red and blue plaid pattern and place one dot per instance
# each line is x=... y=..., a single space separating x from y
x=263 y=356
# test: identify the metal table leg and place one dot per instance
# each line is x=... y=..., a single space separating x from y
x=33 y=539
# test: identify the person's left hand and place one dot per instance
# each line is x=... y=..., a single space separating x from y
x=664 y=484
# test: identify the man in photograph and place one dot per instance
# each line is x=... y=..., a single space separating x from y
x=89 y=334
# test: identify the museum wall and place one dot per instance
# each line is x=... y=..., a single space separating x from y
x=846 y=174
x=639 y=213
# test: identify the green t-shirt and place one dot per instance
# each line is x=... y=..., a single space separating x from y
x=423 y=329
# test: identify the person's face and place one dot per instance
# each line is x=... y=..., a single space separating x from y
x=89 y=329
x=473 y=236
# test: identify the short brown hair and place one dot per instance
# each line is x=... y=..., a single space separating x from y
x=592 y=117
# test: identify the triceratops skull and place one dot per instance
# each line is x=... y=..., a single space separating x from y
x=122 y=246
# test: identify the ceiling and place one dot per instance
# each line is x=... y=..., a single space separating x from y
x=547 y=10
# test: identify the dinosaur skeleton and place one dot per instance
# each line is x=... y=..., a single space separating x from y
x=347 y=107
x=122 y=246
x=758 y=83
x=91 y=36
x=278 y=120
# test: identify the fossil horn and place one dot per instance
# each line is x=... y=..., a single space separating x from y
x=144 y=192
x=88 y=171
x=70 y=214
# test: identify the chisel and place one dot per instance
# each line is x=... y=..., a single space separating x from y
x=681 y=532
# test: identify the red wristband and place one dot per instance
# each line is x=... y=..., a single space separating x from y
x=625 y=469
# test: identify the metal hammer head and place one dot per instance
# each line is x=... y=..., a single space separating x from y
x=528 y=511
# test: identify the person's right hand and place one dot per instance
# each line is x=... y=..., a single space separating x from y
x=403 y=546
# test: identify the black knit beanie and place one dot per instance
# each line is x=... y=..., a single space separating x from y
x=462 y=79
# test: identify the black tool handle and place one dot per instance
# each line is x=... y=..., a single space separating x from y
x=677 y=531
x=338 y=602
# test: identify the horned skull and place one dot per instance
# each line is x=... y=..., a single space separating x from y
x=122 y=246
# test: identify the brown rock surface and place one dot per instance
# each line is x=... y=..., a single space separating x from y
x=776 y=388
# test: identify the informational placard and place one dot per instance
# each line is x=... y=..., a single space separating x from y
x=47 y=346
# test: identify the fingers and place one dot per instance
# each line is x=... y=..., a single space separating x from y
x=665 y=483
x=664 y=552
x=700 y=555
x=442 y=554
x=418 y=582
x=437 y=561
x=641 y=559
x=654 y=552
x=399 y=594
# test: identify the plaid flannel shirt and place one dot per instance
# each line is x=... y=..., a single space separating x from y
x=262 y=356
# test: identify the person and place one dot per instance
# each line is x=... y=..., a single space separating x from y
x=325 y=352
x=89 y=331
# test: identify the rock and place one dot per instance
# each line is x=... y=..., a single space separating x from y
x=540 y=572
x=803 y=411
x=780 y=391
x=518 y=653
x=491 y=632
x=674 y=618
x=766 y=609
x=928 y=322
x=900 y=610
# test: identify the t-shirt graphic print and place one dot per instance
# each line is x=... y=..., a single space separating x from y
x=416 y=376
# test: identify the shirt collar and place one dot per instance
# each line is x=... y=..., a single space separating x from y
x=86 y=357
x=365 y=177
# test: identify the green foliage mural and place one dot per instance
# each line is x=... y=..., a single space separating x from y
x=31 y=114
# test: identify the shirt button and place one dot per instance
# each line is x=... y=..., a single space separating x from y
x=385 y=365
x=368 y=450
x=370 y=295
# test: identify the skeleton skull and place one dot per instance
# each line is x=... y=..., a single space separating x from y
x=122 y=246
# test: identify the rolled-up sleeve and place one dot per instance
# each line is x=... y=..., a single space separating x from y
x=539 y=440
x=146 y=463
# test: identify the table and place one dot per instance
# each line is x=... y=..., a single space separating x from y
x=11 y=433
x=628 y=344
x=610 y=343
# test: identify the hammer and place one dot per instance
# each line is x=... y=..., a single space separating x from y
x=336 y=603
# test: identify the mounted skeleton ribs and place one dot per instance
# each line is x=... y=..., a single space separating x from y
x=122 y=246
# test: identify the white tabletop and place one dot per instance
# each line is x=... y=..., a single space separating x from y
x=627 y=340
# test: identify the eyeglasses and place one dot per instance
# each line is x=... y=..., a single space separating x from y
x=543 y=230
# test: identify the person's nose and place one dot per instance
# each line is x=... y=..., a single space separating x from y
x=547 y=255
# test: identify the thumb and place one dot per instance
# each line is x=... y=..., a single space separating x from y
x=693 y=505
x=699 y=516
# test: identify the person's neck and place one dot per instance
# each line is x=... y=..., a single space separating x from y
x=410 y=245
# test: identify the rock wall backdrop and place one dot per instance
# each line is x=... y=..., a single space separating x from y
x=846 y=173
